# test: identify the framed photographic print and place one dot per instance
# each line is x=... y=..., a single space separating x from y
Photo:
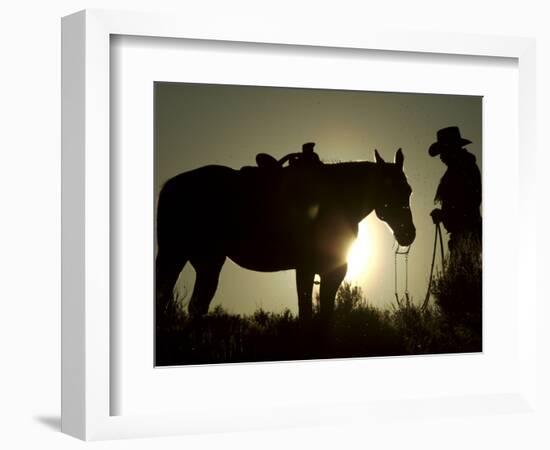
x=252 y=219
x=344 y=215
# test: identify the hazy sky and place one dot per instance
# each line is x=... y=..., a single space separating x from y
x=198 y=124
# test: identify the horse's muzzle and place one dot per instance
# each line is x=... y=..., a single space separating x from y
x=406 y=237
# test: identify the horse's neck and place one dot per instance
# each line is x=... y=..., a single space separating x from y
x=354 y=184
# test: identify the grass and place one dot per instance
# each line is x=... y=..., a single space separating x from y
x=452 y=324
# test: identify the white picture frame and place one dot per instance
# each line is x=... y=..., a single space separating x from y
x=86 y=245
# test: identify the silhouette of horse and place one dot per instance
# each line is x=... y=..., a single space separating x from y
x=268 y=220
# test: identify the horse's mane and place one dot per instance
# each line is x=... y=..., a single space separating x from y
x=359 y=163
x=357 y=167
x=348 y=164
x=347 y=168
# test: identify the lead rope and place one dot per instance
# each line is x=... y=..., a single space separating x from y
x=438 y=236
x=441 y=245
x=406 y=253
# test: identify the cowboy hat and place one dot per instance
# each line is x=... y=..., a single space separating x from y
x=447 y=138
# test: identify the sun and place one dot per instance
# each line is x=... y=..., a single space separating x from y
x=359 y=254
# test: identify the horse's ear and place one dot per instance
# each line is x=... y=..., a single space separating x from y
x=377 y=157
x=399 y=158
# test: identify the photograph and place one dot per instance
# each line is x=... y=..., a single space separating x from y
x=301 y=224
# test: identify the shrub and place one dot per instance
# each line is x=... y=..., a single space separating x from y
x=458 y=294
x=358 y=329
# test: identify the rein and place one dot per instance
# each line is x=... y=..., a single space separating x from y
x=402 y=251
x=438 y=237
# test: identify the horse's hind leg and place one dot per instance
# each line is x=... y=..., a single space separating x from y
x=168 y=268
x=208 y=273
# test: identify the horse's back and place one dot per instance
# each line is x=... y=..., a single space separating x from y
x=235 y=211
x=191 y=203
x=202 y=177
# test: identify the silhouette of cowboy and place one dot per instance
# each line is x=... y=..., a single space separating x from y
x=458 y=193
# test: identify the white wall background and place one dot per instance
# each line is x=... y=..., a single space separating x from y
x=30 y=221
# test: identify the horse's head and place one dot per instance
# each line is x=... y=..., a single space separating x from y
x=392 y=204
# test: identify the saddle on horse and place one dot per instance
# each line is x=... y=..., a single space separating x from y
x=305 y=158
x=274 y=186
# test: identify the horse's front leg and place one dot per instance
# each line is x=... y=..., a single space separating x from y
x=304 y=286
x=330 y=282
